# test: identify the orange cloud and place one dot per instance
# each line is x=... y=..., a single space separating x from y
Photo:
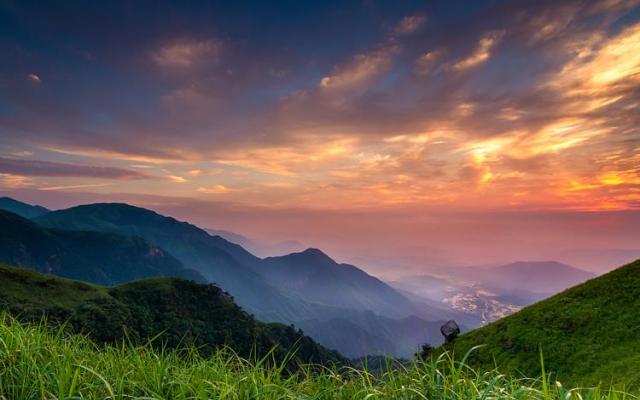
x=176 y=179
x=482 y=52
x=11 y=181
x=361 y=68
x=215 y=189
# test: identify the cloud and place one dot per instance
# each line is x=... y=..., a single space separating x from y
x=73 y=187
x=176 y=179
x=215 y=189
x=34 y=78
x=11 y=181
x=482 y=52
x=425 y=63
x=186 y=53
x=22 y=154
x=361 y=69
x=56 y=169
x=410 y=24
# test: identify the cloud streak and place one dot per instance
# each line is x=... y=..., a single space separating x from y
x=24 y=167
x=186 y=53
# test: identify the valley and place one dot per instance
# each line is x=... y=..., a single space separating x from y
x=346 y=313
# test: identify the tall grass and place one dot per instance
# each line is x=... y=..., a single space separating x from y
x=37 y=362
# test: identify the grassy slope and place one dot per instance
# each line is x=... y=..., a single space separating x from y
x=588 y=334
x=185 y=313
x=37 y=363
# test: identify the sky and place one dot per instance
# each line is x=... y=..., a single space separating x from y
x=395 y=135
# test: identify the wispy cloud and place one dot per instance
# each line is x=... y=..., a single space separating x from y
x=361 y=68
x=481 y=53
x=410 y=24
x=74 y=187
x=11 y=181
x=176 y=179
x=215 y=189
x=57 y=169
x=186 y=53
x=34 y=78
x=426 y=62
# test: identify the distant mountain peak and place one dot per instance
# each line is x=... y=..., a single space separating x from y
x=21 y=208
x=544 y=265
x=542 y=262
x=313 y=251
x=314 y=254
x=113 y=206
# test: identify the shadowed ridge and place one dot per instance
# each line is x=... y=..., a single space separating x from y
x=23 y=209
x=181 y=312
x=99 y=257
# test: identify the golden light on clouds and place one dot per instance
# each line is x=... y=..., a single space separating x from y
x=176 y=179
x=14 y=181
x=536 y=110
x=215 y=189
x=361 y=69
x=482 y=52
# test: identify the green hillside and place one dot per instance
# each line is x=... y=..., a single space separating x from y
x=588 y=334
x=97 y=257
x=182 y=312
x=39 y=363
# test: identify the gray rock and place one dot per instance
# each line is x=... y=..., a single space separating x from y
x=450 y=330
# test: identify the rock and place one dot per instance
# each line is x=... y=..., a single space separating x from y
x=450 y=330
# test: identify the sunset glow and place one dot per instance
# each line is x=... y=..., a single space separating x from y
x=507 y=107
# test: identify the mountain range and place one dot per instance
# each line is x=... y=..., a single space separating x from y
x=20 y=208
x=544 y=277
x=318 y=278
x=337 y=304
x=259 y=247
x=102 y=258
x=271 y=289
x=170 y=311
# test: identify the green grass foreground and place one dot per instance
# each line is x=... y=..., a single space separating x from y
x=37 y=362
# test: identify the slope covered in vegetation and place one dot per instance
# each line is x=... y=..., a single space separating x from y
x=588 y=334
x=173 y=311
x=98 y=257
x=38 y=363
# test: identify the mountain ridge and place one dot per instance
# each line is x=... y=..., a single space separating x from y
x=176 y=312
x=249 y=282
x=316 y=275
x=23 y=209
x=72 y=254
